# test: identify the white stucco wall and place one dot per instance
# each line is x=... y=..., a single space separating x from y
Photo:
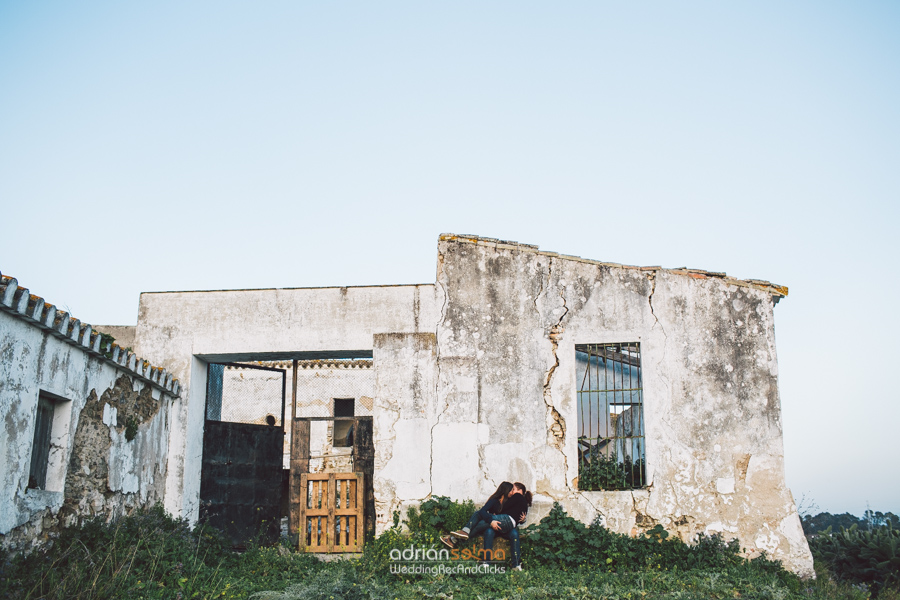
x=187 y=330
x=499 y=400
x=474 y=383
x=37 y=359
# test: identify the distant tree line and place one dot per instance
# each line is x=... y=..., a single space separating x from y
x=869 y=521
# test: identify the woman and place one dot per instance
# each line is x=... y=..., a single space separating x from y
x=481 y=519
x=504 y=523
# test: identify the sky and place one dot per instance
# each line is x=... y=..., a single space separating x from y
x=151 y=146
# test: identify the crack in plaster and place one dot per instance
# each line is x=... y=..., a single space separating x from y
x=437 y=421
x=651 y=275
x=557 y=432
x=588 y=500
x=445 y=300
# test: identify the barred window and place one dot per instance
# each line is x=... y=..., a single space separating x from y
x=610 y=417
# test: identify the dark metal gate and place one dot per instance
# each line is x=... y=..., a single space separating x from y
x=243 y=448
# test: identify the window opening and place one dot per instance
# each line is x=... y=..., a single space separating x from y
x=40 y=447
x=343 y=430
x=611 y=453
x=246 y=393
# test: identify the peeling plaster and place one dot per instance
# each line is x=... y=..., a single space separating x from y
x=493 y=397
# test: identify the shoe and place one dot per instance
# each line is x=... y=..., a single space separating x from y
x=448 y=541
x=519 y=568
x=463 y=535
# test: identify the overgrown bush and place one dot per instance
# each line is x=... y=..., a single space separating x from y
x=599 y=471
x=148 y=555
x=438 y=515
x=858 y=556
x=562 y=541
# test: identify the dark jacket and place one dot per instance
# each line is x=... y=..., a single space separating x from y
x=515 y=506
x=491 y=508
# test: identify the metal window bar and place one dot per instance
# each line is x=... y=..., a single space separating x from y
x=611 y=441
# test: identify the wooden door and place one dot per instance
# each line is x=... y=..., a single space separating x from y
x=331 y=512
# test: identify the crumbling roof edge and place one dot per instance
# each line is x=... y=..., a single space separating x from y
x=21 y=303
x=776 y=290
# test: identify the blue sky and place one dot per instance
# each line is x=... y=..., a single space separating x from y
x=163 y=146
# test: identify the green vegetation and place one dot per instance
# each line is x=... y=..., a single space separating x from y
x=149 y=556
x=870 y=520
x=131 y=428
x=106 y=341
x=603 y=472
x=438 y=515
x=860 y=556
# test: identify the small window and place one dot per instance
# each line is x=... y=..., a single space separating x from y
x=610 y=417
x=40 y=447
x=343 y=430
x=344 y=407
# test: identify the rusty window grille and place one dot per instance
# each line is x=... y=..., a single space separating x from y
x=611 y=442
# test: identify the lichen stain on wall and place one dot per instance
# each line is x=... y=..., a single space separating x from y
x=121 y=437
x=120 y=413
x=505 y=395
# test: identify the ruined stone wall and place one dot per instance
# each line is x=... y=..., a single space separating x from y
x=109 y=432
x=499 y=401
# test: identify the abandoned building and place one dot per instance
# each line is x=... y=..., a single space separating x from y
x=85 y=429
x=643 y=395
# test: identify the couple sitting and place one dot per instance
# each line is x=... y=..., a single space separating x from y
x=500 y=515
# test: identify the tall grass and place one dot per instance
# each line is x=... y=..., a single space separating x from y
x=148 y=555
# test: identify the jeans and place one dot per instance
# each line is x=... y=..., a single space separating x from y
x=511 y=534
x=477 y=525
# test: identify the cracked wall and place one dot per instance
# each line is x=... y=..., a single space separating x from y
x=187 y=330
x=504 y=403
x=118 y=459
x=475 y=383
x=109 y=439
x=405 y=418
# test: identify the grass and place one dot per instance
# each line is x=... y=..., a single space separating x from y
x=150 y=556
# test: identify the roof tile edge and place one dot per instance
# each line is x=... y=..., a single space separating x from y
x=21 y=303
x=779 y=291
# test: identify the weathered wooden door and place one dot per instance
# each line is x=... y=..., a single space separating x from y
x=302 y=494
x=332 y=506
